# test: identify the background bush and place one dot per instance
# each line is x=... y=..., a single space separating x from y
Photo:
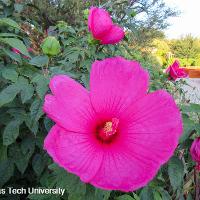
x=24 y=81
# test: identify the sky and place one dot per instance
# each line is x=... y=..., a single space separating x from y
x=189 y=20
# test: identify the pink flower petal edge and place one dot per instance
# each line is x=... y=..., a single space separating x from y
x=115 y=136
x=114 y=35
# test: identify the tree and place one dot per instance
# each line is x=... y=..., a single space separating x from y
x=162 y=50
x=187 y=49
x=144 y=18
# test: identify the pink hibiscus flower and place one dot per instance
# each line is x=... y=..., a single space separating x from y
x=102 y=28
x=175 y=71
x=115 y=136
x=195 y=152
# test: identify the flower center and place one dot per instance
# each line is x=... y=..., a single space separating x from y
x=108 y=130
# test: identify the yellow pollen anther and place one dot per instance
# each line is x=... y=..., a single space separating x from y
x=108 y=130
x=108 y=127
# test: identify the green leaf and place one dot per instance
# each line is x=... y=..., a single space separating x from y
x=125 y=197
x=102 y=194
x=9 y=22
x=165 y=195
x=191 y=108
x=34 y=115
x=8 y=94
x=9 y=35
x=90 y=193
x=28 y=147
x=3 y=154
x=36 y=109
x=136 y=197
x=147 y=194
x=41 y=85
x=175 y=172
x=17 y=113
x=32 y=124
x=6 y=171
x=18 y=158
x=95 y=193
x=16 y=43
x=10 y=74
x=28 y=71
x=13 y=55
x=157 y=195
x=11 y=132
x=72 y=183
x=38 y=164
x=85 y=80
x=39 y=61
x=27 y=89
x=43 y=197
x=133 y=13
x=27 y=92
x=48 y=123
x=4 y=116
x=188 y=127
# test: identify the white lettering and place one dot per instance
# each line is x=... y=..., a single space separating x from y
x=12 y=190
x=2 y=191
x=58 y=191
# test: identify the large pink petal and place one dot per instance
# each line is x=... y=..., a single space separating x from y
x=99 y=22
x=115 y=83
x=154 y=119
x=122 y=170
x=104 y=166
x=113 y=36
x=149 y=133
x=69 y=106
x=77 y=153
x=153 y=126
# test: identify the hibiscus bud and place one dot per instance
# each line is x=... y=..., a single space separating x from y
x=195 y=152
x=51 y=46
x=102 y=28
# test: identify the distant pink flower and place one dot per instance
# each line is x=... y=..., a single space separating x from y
x=17 y=51
x=102 y=28
x=115 y=136
x=30 y=49
x=175 y=71
x=195 y=152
